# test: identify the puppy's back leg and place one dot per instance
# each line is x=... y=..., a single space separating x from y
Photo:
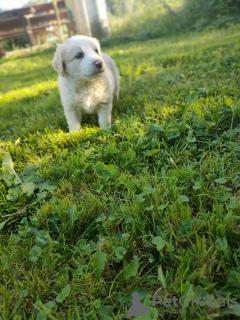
x=117 y=84
x=116 y=93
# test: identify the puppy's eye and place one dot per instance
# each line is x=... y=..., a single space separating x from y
x=97 y=51
x=79 y=55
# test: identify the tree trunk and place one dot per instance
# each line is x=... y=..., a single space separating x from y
x=80 y=14
x=97 y=14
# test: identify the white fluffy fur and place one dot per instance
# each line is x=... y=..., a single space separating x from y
x=84 y=87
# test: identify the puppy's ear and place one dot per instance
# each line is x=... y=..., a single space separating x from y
x=57 y=62
x=95 y=40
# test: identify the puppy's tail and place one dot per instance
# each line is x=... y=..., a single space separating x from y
x=116 y=93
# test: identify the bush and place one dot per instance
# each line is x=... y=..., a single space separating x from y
x=13 y=44
x=198 y=14
x=156 y=18
x=153 y=18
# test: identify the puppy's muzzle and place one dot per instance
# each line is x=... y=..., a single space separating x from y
x=99 y=64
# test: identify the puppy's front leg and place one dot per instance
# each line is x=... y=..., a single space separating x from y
x=104 y=116
x=73 y=120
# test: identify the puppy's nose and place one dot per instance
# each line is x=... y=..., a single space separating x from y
x=99 y=64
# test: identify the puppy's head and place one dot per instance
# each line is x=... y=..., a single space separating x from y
x=79 y=57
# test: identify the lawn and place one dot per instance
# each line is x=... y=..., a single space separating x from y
x=152 y=205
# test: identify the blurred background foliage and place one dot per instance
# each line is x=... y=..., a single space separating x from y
x=155 y=18
x=138 y=19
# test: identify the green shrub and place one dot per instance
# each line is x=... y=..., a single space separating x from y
x=153 y=18
x=13 y=44
x=156 y=18
x=198 y=14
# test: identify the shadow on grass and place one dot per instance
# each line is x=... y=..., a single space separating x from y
x=24 y=79
x=22 y=57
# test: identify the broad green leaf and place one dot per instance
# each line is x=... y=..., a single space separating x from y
x=49 y=307
x=64 y=293
x=233 y=203
x=79 y=271
x=82 y=243
x=9 y=178
x=2 y=224
x=98 y=260
x=150 y=153
x=234 y=279
x=234 y=310
x=162 y=206
x=183 y=198
x=210 y=124
x=35 y=253
x=192 y=98
x=158 y=242
x=186 y=227
x=148 y=189
x=201 y=292
x=43 y=238
x=223 y=196
x=155 y=143
x=45 y=186
x=89 y=151
x=221 y=180
x=131 y=269
x=131 y=154
x=17 y=141
x=120 y=252
x=72 y=211
x=197 y=186
x=8 y=164
x=196 y=177
x=141 y=132
x=161 y=277
x=229 y=102
x=187 y=291
x=156 y=127
x=28 y=171
x=60 y=298
x=34 y=179
x=111 y=147
x=41 y=316
x=185 y=175
x=25 y=293
x=28 y=188
x=41 y=196
x=106 y=171
x=38 y=304
x=173 y=134
x=96 y=303
x=66 y=290
x=12 y=194
x=197 y=110
x=191 y=139
x=106 y=312
x=221 y=244
x=128 y=220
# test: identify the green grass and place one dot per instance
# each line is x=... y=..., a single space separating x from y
x=152 y=205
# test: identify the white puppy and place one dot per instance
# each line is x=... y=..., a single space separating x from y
x=88 y=80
